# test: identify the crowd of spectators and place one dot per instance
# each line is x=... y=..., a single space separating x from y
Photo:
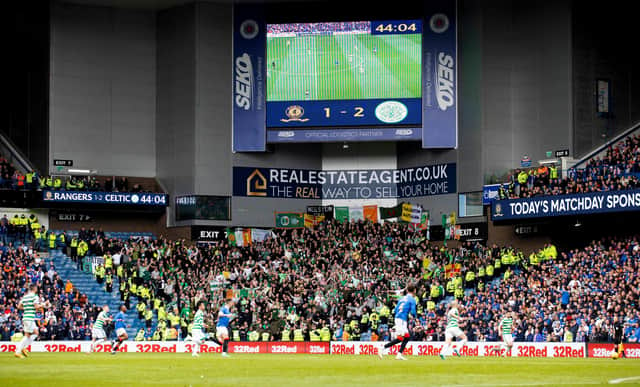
x=346 y=277
x=343 y=279
x=70 y=315
x=617 y=170
x=312 y=28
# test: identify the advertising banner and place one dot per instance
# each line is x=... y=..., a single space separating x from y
x=490 y=192
x=545 y=206
x=248 y=74
x=549 y=350
x=605 y=350
x=91 y=197
x=561 y=350
x=439 y=76
x=316 y=348
x=289 y=183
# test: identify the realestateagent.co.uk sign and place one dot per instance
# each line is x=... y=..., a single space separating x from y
x=288 y=183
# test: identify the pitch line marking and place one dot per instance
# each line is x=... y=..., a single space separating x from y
x=622 y=380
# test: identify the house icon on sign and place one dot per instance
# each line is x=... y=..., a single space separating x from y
x=256 y=184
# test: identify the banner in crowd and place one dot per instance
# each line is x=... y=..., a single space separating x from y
x=449 y=226
x=411 y=213
x=391 y=212
x=248 y=78
x=561 y=205
x=371 y=213
x=289 y=220
x=310 y=221
x=246 y=236
x=288 y=183
x=91 y=197
x=326 y=211
x=342 y=214
x=356 y=214
x=605 y=350
x=452 y=270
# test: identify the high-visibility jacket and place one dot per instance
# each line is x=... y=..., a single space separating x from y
x=20 y=180
x=297 y=335
x=470 y=276
x=553 y=172
x=265 y=336
x=522 y=177
x=140 y=335
x=57 y=183
x=286 y=335
x=451 y=286
x=52 y=240
x=325 y=334
x=435 y=291
x=29 y=177
x=489 y=270
x=314 y=335
x=254 y=336
x=235 y=334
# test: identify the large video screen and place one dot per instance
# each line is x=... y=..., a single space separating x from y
x=344 y=74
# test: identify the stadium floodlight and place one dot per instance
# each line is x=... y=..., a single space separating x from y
x=578 y=224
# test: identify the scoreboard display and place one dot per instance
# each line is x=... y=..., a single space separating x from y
x=344 y=74
x=353 y=80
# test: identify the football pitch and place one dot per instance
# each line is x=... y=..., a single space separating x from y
x=138 y=369
x=344 y=67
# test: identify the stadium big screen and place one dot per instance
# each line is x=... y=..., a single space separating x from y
x=352 y=80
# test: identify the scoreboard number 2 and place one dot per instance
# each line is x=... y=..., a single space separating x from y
x=358 y=112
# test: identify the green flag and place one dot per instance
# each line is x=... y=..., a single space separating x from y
x=390 y=212
x=289 y=220
x=231 y=237
x=341 y=214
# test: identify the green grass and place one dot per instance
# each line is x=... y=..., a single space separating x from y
x=136 y=369
x=309 y=64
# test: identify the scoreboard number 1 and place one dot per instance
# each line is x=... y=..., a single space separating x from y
x=358 y=112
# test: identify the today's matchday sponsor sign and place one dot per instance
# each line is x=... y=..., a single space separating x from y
x=561 y=205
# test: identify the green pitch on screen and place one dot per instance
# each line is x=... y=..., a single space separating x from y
x=344 y=67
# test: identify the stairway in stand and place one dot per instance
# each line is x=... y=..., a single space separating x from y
x=96 y=293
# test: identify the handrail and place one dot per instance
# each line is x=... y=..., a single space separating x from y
x=607 y=144
x=14 y=155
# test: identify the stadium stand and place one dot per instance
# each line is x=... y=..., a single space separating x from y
x=617 y=170
x=349 y=288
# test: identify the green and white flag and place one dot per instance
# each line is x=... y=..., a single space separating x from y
x=341 y=214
